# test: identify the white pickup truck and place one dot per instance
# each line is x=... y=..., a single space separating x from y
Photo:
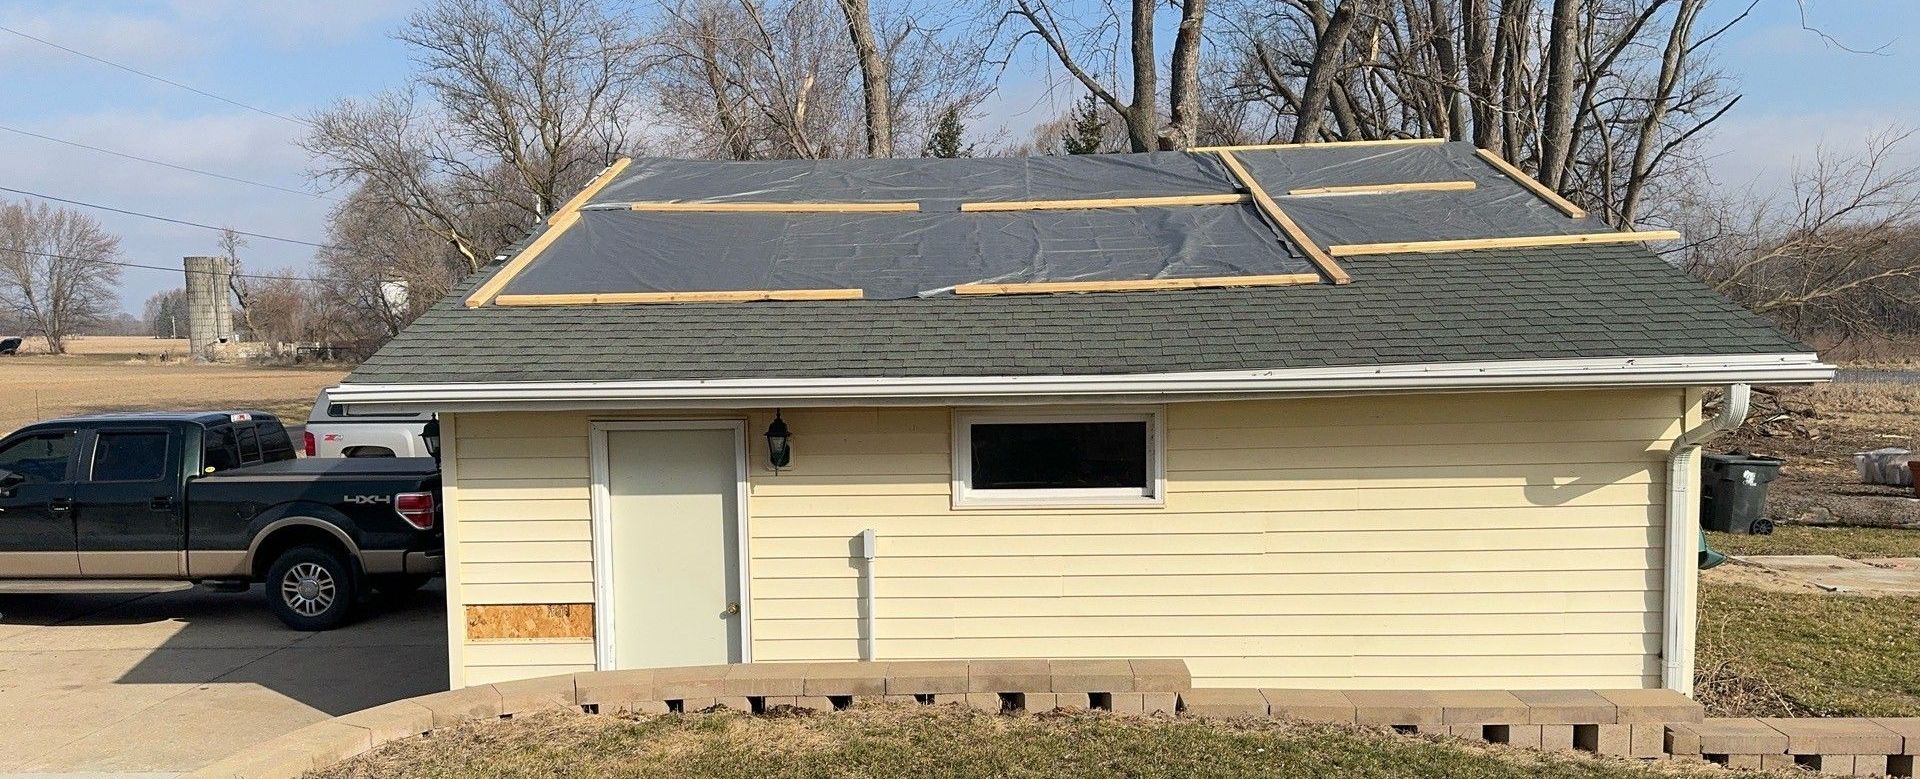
x=332 y=432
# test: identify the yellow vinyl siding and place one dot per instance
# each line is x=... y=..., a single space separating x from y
x=1440 y=541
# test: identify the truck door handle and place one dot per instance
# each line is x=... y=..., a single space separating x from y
x=161 y=502
x=60 y=504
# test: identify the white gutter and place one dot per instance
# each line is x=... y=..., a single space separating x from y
x=1683 y=541
x=1705 y=370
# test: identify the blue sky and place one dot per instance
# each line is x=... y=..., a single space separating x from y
x=296 y=57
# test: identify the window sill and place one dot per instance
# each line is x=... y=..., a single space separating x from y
x=978 y=503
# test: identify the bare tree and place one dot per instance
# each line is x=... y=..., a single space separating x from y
x=165 y=313
x=1081 y=50
x=875 y=84
x=1606 y=106
x=773 y=79
x=529 y=98
x=372 y=250
x=56 y=270
x=1836 y=256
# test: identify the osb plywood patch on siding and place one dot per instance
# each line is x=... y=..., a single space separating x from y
x=518 y=621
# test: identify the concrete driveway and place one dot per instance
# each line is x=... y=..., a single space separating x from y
x=160 y=684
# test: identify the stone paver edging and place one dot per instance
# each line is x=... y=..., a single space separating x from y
x=1624 y=723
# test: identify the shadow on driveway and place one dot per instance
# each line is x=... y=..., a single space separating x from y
x=172 y=681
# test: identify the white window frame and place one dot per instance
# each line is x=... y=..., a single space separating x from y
x=966 y=497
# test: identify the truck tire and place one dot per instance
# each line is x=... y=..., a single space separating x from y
x=394 y=585
x=311 y=588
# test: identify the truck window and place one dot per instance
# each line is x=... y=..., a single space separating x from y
x=42 y=458
x=275 y=443
x=220 y=454
x=130 y=456
x=247 y=437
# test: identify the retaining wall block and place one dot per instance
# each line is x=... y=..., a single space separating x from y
x=1815 y=736
x=457 y=706
x=1224 y=703
x=847 y=678
x=1468 y=732
x=1084 y=676
x=1739 y=736
x=1480 y=707
x=765 y=679
x=1646 y=740
x=1516 y=735
x=1567 y=707
x=1309 y=705
x=1556 y=737
x=1653 y=707
x=1683 y=740
x=1612 y=740
x=691 y=705
x=1744 y=762
x=927 y=677
x=614 y=690
x=328 y=742
x=1778 y=763
x=1869 y=765
x=396 y=720
x=1145 y=703
x=546 y=693
x=1396 y=707
x=1009 y=676
x=695 y=681
x=1161 y=675
x=266 y=761
x=1909 y=730
x=984 y=701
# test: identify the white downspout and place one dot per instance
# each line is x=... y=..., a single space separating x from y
x=1683 y=540
x=868 y=645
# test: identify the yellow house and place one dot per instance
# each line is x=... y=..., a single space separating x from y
x=1353 y=416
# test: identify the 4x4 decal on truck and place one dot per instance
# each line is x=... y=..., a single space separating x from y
x=368 y=500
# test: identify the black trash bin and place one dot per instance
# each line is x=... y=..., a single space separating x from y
x=1733 y=495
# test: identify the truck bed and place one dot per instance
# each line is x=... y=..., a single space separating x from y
x=333 y=466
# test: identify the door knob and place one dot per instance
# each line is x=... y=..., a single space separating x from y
x=733 y=607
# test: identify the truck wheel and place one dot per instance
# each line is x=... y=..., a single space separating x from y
x=311 y=589
x=397 y=584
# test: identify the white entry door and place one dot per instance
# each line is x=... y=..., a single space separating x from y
x=667 y=538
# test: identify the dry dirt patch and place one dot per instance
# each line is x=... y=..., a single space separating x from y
x=1817 y=429
x=35 y=387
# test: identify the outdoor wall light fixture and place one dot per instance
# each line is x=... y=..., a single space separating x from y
x=779 y=443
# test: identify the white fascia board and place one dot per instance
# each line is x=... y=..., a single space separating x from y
x=1123 y=388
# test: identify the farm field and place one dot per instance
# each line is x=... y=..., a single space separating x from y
x=128 y=374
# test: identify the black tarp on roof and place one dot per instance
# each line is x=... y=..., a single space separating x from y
x=614 y=249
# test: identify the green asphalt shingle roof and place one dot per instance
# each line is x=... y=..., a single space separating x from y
x=1517 y=304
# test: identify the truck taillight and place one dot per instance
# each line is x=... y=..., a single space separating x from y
x=312 y=449
x=416 y=508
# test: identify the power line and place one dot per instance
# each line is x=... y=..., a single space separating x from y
x=160 y=79
x=149 y=161
x=159 y=267
x=84 y=204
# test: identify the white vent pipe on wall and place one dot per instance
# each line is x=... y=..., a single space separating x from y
x=1683 y=540
x=867 y=650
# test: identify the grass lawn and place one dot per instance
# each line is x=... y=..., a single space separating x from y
x=1850 y=542
x=947 y=741
x=1764 y=652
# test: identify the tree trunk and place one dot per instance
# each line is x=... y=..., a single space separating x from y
x=1327 y=63
x=1480 y=97
x=1185 y=74
x=1142 y=118
x=1556 y=134
x=874 y=79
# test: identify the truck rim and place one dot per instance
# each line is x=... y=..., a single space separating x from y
x=308 y=589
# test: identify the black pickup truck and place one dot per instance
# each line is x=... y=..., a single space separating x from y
x=215 y=498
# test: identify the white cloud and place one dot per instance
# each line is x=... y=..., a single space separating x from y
x=1761 y=149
